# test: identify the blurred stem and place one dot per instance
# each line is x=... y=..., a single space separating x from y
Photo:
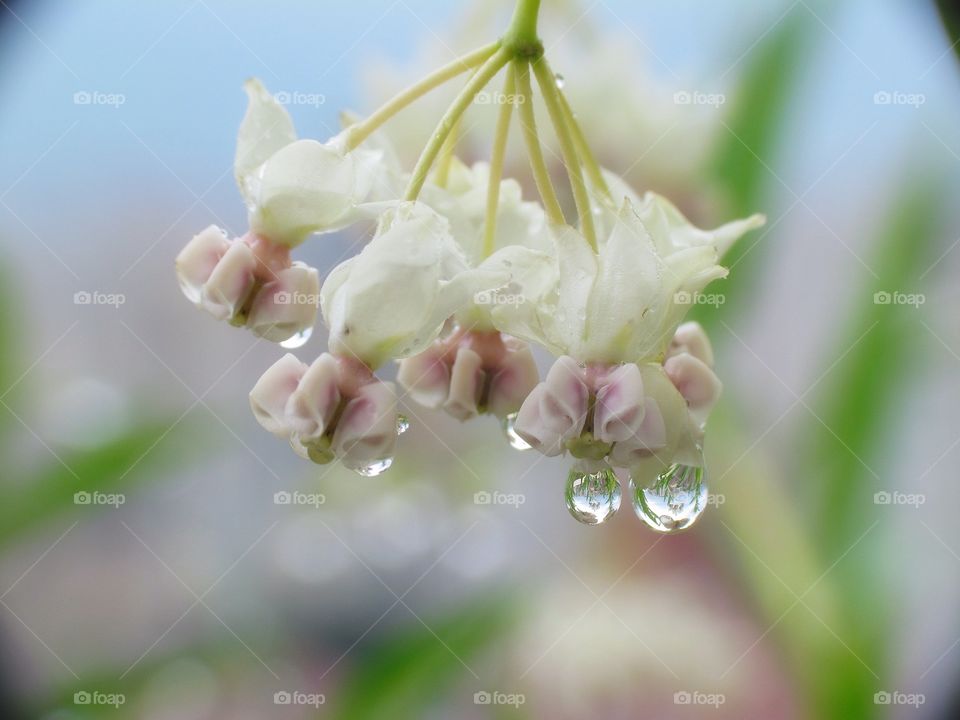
x=447 y=154
x=479 y=81
x=548 y=85
x=496 y=162
x=362 y=130
x=594 y=171
x=528 y=121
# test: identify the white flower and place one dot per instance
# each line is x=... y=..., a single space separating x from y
x=624 y=302
x=333 y=409
x=393 y=298
x=248 y=281
x=297 y=187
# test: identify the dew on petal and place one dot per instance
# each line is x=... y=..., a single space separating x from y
x=674 y=501
x=372 y=469
x=560 y=80
x=592 y=497
x=298 y=340
x=513 y=437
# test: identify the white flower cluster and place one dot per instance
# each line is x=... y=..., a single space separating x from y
x=459 y=279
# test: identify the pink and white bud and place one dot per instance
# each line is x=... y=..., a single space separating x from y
x=649 y=437
x=229 y=286
x=367 y=430
x=271 y=394
x=516 y=377
x=555 y=410
x=619 y=408
x=196 y=261
x=466 y=384
x=426 y=377
x=313 y=405
x=286 y=306
x=691 y=338
x=696 y=382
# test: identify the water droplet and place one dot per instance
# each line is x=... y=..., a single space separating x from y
x=377 y=467
x=403 y=424
x=560 y=80
x=674 y=501
x=513 y=437
x=298 y=340
x=592 y=497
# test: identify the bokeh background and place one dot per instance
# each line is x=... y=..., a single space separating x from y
x=823 y=584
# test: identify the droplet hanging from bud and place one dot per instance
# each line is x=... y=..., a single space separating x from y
x=675 y=499
x=372 y=469
x=593 y=493
x=297 y=340
x=403 y=424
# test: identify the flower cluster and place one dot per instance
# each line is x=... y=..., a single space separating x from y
x=460 y=279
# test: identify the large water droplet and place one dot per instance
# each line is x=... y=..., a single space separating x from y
x=298 y=340
x=513 y=437
x=592 y=496
x=560 y=80
x=372 y=469
x=403 y=424
x=674 y=501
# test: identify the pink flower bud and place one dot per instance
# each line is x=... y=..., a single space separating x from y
x=273 y=390
x=649 y=437
x=426 y=377
x=466 y=383
x=286 y=305
x=313 y=404
x=228 y=287
x=698 y=384
x=196 y=261
x=367 y=429
x=619 y=408
x=516 y=377
x=556 y=409
x=691 y=338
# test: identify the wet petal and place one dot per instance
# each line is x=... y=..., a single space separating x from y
x=270 y=395
x=619 y=408
x=530 y=426
x=199 y=257
x=230 y=284
x=313 y=404
x=367 y=429
x=466 y=382
x=564 y=402
x=287 y=305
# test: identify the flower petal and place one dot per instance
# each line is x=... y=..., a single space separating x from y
x=619 y=409
x=426 y=377
x=287 y=305
x=515 y=379
x=691 y=338
x=266 y=128
x=270 y=395
x=564 y=402
x=531 y=427
x=466 y=383
x=312 y=405
x=199 y=257
x=230 y=283
x=367 y=429
x=698 y=384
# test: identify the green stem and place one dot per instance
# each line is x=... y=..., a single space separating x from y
x=447 y=153
x=479 y=81
x=521 y=37
x=528 y=121
x=362 y=130
x=497 y=156
x=548 y=85
x=594 y=172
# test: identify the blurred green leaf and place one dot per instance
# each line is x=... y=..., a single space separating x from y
x=8 y=346
x=950 y=15
x=116 y=466
x=749 y=143
x=404 y=673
